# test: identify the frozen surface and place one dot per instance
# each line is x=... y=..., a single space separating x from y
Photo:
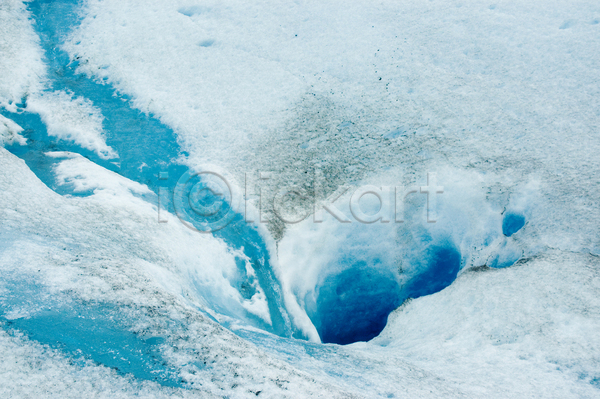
x=72 y=119
x=497 y=298
x=22 y=71
x=9 y=132
x=101 y=264
x=520 y=327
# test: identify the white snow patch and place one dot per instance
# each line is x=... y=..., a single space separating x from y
x=84 y=175
x=9 y=132
x=22 y=70
x=73 y=119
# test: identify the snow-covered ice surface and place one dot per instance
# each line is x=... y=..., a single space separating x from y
x=105 y=104
x=72 y=119
x=22 y=67
x=9 y=132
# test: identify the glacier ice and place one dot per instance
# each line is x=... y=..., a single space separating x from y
x=71 y=119
x=511 y=223
x=105 y=105
x=9 y=132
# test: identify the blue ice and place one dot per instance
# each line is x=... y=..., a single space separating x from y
x=512 y=223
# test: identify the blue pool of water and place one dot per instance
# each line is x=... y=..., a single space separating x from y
x=354 y=305
x=512 y=223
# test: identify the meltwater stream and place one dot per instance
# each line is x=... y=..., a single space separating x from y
x=351 y=306
x=145 y=147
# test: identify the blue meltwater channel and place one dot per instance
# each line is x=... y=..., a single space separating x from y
x=140 y=140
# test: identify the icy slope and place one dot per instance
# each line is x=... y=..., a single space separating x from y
x=116 y=100
x=104 y=259
x=527 y=330
x=21 y=63
x=107 y=292
x=500 y=99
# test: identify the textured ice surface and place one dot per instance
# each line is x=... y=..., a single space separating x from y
x=73 y=119
x=21 y=68
x=104 y=259
x=9 y=132
x=518 y=325
x=501 y=100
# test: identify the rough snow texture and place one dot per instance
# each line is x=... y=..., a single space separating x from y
x=22 y=71
x=528 y=330
x=364 y=92
x=72 y=119
x=110 y=249
x=500 y=99
x=83 y=175
x=9 y=132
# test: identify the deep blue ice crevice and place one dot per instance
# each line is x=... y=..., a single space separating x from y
x=443 y=265
x=354 y=304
